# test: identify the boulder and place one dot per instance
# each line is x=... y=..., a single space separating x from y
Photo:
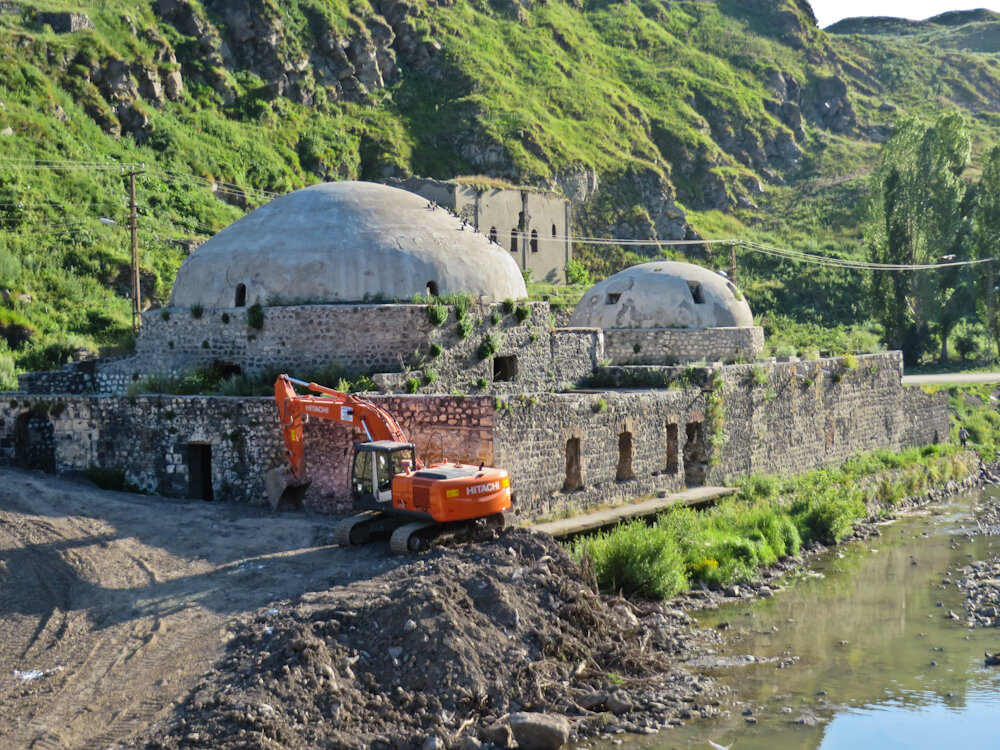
x=539 y=731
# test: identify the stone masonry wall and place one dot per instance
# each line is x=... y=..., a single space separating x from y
x=395 y=339
x=819 y=413
x=148 y=439
x=659 y=346
x=778 y=418
x=531 y=436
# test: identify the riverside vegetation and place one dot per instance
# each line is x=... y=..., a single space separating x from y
x=772 y=518
x=656 y=119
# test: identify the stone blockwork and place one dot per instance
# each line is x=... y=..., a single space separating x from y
x=382 y=338
x=664 y=346
x=821 y=412
x=563 y=450
x=220 y=448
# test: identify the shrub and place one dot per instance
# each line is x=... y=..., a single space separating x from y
x=197 y=310
x=464 y=328
x=8 y=372
x=255 y=316
x=495 y=318
x=849 y=361
x=827 y=514
x=461 y=304
x=600 y=405
x=636 y=347
x=490 y=345
x=436 y=351
x=577 y=273
x=225 y=318
x=164 y=314
x=759 y=374
x=966 y=345
x=522 y=312
x=430 y=376
x=508 y=306
x=636 y=559
x=412 y=385
x=437 y=314
x=482 y=384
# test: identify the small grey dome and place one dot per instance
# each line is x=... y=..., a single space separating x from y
x=664 y=294
x=345 y=242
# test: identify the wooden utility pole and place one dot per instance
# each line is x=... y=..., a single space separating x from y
x=133 y=226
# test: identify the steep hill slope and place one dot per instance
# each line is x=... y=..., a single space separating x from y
x=657 y=119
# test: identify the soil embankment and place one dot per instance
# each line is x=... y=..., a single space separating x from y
x=191 y=624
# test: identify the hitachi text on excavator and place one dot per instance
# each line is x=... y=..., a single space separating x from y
x=392 y=490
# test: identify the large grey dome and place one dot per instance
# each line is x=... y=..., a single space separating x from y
x=664 y=294
x=345 y=242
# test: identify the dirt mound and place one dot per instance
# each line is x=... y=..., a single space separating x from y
x=444 y=647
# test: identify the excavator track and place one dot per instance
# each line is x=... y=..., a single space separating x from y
x=354 y=530
x=418 y=536
x=407 y=539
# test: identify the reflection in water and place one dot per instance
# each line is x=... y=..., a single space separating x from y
x=880 y=664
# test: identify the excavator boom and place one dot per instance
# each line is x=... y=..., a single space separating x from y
x=388 y=481
x=287 y=484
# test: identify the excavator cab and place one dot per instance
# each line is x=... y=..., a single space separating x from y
x=375 y=464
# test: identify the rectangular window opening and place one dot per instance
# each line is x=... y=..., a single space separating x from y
x=613 y=298
x=504 y=368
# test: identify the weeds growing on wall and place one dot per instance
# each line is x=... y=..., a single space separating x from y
x=715 y=418
x=771 y=518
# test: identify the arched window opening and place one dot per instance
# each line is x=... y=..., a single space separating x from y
x=241 y=295
x=493 y=234
x=554 y=233
x=624 y=471
x=672 y=449
x=513 y=240
x=574 y=468
x=432 y=289
x=534 y=241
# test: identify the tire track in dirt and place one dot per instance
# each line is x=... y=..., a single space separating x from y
x=123 y=611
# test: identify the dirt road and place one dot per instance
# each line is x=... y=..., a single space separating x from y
x=113 y=605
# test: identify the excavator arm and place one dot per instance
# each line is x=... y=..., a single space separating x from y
x=287 y=484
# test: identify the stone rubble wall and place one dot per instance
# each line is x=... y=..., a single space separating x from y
x=815 y=413
x=783 y=418
x=664 y=346
x=531 y=437
x=377 y=338
x=148 y=437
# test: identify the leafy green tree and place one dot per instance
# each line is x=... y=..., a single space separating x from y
x=986 y=234
x=917 y=214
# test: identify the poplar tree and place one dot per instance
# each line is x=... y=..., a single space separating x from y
x=986 y=223
x=917 y=215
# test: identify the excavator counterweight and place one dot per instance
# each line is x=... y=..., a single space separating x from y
x=390 y=486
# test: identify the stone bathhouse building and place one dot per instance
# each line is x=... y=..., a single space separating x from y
x=654 y=386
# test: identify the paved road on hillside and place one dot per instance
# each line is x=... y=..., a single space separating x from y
x=961 y=378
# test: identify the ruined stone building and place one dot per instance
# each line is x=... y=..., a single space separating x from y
x=652 y=387
x=533 y=225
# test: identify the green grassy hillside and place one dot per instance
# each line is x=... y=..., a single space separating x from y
x=657 y=119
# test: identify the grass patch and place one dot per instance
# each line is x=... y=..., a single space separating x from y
x=769 y=519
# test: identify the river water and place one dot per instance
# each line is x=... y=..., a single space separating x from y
x=880 y=664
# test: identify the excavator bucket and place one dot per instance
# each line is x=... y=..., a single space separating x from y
x=283 y=491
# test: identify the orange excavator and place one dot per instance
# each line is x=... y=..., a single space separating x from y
x=390 y=487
